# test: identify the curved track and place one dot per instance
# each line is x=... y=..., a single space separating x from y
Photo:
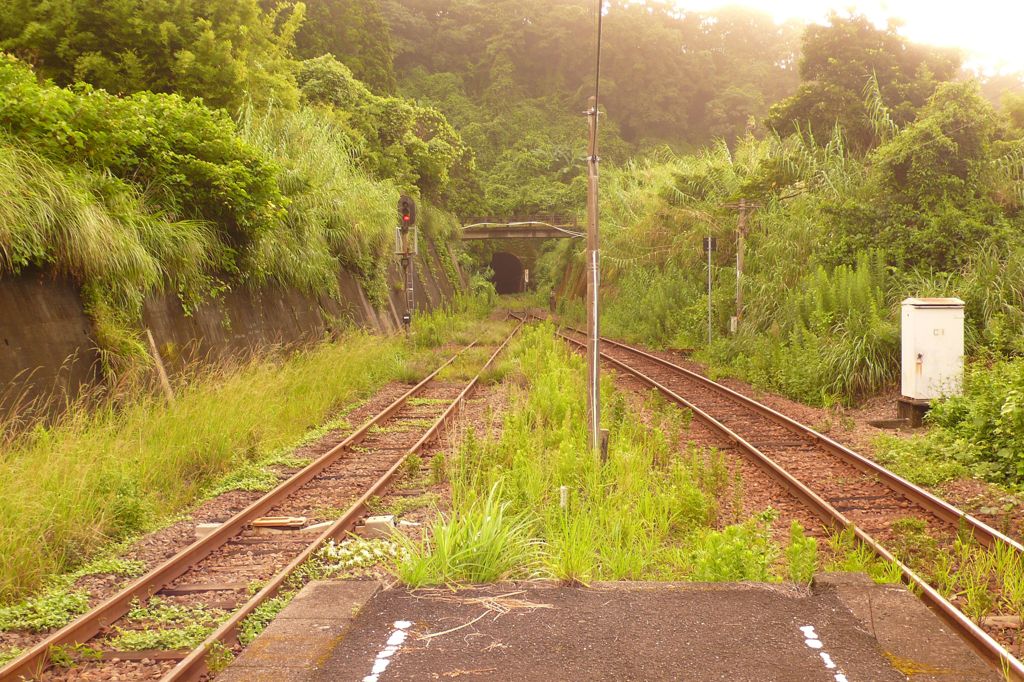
x=217 y=569
x=843 y=488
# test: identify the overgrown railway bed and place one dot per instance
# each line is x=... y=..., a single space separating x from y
x=845 y=490
x=218 y=574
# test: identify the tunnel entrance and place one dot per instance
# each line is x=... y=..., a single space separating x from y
x=508 y=273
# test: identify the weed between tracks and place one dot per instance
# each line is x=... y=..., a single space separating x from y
x=646 y=514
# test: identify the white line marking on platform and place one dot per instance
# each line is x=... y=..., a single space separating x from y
x=813 y=642
x=394 y=643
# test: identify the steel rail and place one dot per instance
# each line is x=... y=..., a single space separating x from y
x=942 y=509
x=987 y=647
x=194 y=666
x=33 y=662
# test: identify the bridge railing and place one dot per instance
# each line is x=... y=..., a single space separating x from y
x=559 y=219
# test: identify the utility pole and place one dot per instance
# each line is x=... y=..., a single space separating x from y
x=741 y=234
x=710 y=245
x=593 y=282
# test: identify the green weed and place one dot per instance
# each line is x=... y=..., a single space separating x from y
x=801 y=555
x=644 y=514
x=850 y=555
x=183 y=638
x=53 y=608
x=218 y=658
x=404 y=504
x=737 y=553
x=162 y=612
x=484 y=542
x=438 y=469
x=913 y=545
x=254 y=624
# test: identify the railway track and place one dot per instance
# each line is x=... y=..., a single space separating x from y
x=216 y=573
x=842 y=488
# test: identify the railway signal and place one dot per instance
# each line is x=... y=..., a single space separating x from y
x=406 y=248
x=406 y=212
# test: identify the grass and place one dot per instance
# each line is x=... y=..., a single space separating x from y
x=336 y=216
x=109 y=473
x=850 y=556
x=115 y=471
x=98 y=230
x=486 y=543
x=646 y=514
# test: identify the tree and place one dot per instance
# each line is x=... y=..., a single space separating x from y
x=933 y=192
x=220 y=50
x=515 y=75
x=840 y=59
x=395 y=138
x=355 y=33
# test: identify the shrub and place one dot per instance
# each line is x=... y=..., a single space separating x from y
x=189 y=157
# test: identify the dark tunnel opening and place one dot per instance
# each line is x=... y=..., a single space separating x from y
x=508 y=273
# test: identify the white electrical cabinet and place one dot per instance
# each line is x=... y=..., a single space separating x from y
x=933 y=347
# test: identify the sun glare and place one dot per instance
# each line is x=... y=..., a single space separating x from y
x=987 y=31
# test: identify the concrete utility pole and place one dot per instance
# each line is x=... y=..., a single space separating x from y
x=593 y=283
x=741 y=234
x=710 y=245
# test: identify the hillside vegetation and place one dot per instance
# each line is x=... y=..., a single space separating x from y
x=285 y=171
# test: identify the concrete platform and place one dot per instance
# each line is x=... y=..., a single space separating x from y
x=846 y=629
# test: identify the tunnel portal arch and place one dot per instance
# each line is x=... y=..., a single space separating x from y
x=508 y=273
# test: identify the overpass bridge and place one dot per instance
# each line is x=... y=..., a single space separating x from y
x=520 y=230
x=510 y=263
x=544 y=226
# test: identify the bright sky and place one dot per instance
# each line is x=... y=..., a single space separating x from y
x=990 y=32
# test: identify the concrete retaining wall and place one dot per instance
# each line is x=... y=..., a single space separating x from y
x=47 y=348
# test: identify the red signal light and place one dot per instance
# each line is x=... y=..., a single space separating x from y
x=407 y=211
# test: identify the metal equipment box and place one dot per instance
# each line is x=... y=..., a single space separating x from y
x=933 y=347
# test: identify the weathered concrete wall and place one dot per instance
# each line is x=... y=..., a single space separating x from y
x=433 y=286
x=46 y=342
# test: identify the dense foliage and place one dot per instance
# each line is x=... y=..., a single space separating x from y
x=192 y=151
x=850 y=55
x=355 y=32
x=834 y=240
x=187 y=154
x=221 y=50
x=514 y=78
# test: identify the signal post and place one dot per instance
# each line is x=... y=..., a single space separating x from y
x=407 y=248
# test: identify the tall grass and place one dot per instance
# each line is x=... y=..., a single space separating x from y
x=111 y=472
x=644 y=514
x=336 y=212
x=103 y=234
x=832 y=338
x=813 y=330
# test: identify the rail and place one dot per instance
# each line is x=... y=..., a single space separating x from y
x=33 y=662
x=989 y=648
